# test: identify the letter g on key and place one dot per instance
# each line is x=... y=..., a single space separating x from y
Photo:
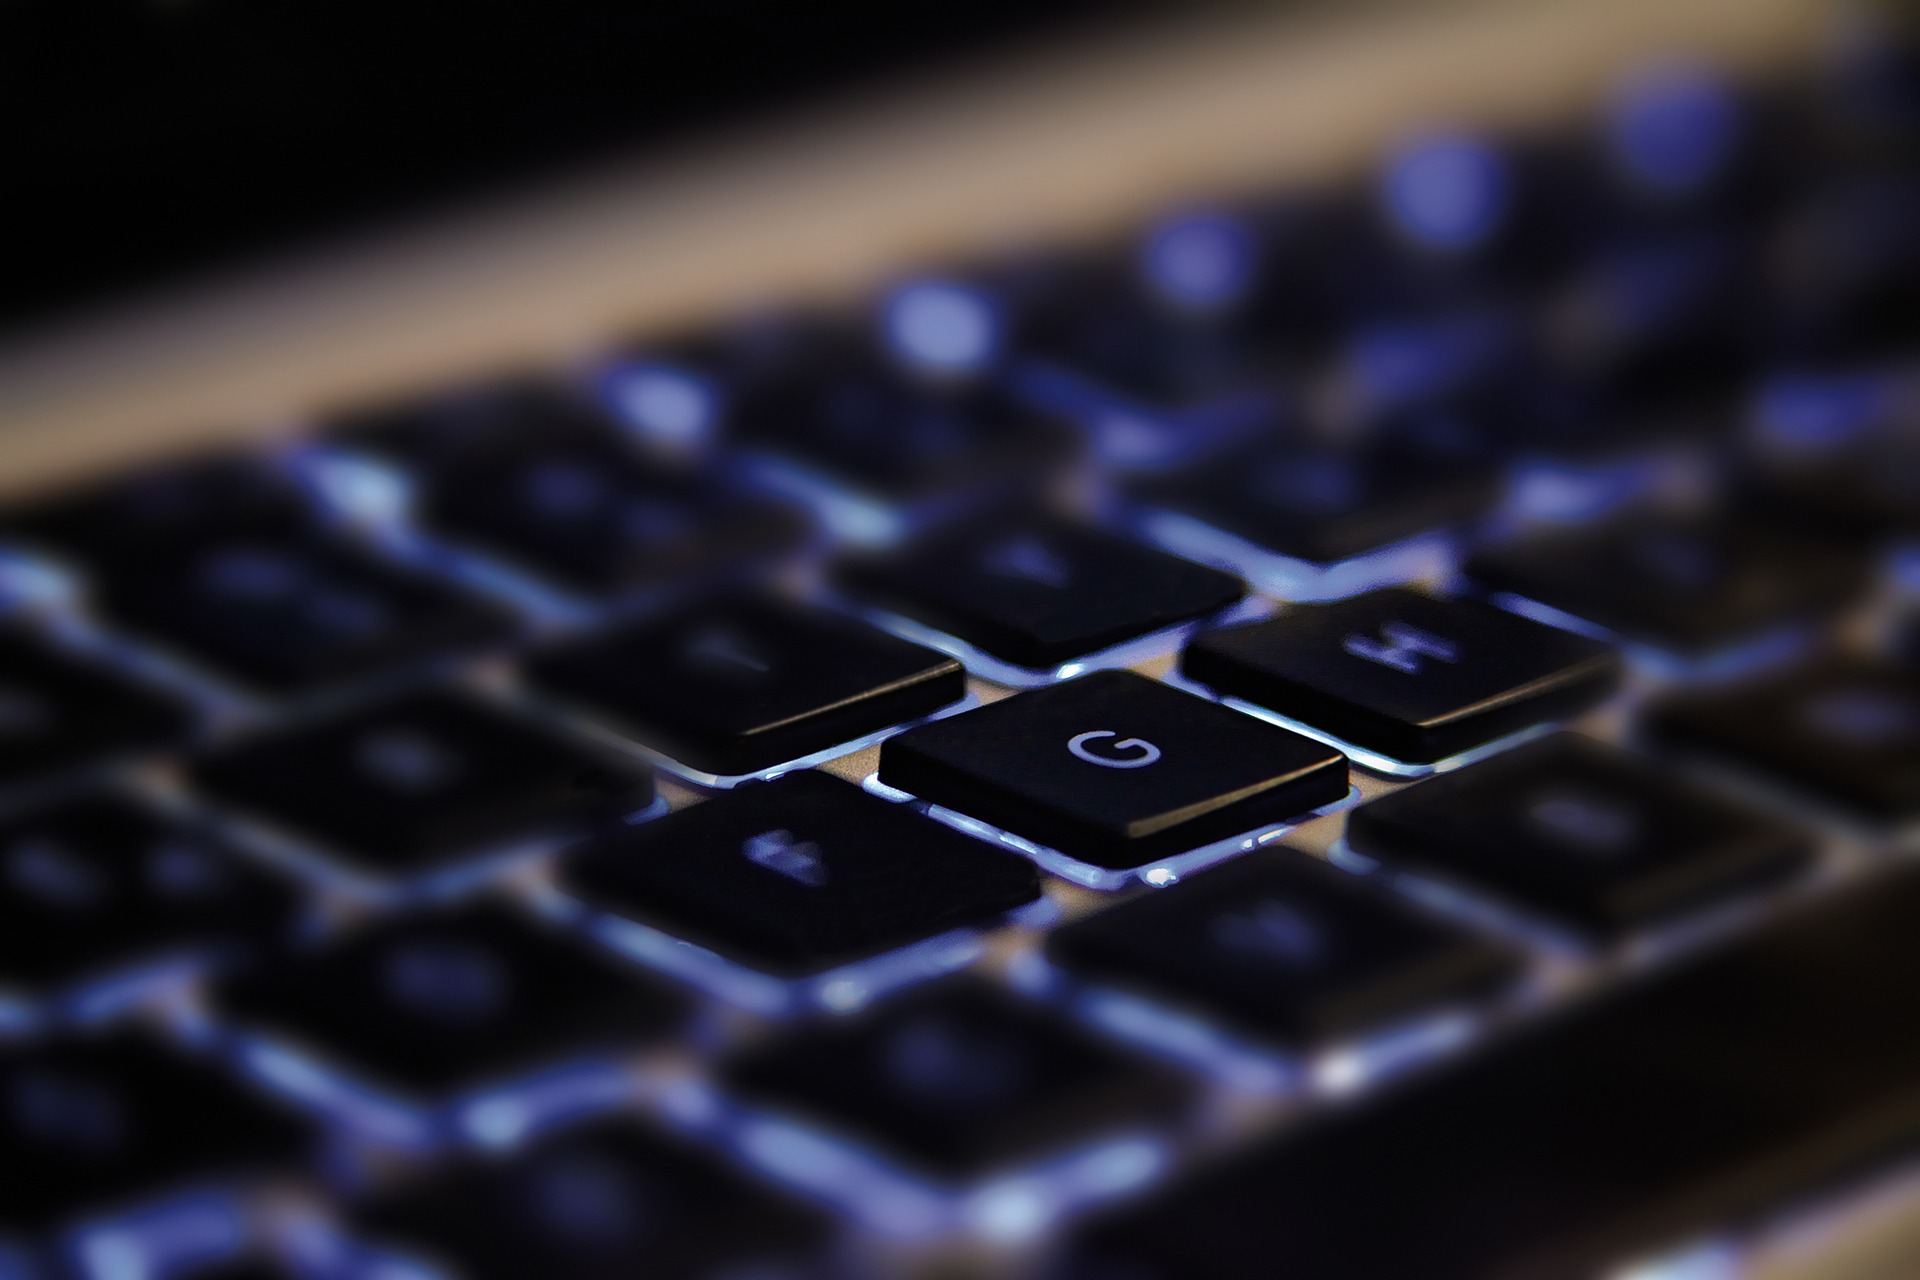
x=1147 y=752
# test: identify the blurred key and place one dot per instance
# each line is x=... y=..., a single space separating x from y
x=1580 y=834
x=61 y=713
x=1633 y=1124
x=420 y=783
x=798 y=876
x=435 y=1008
x=102 y=885
x=1038 y=592
x=1846 y=732
x=293 y=616
x=595 y=519
x=1414 y=678
x=98 y=1125
x=737 y=684
x=161 y=512
x=1285 y=515
x=1834 y=450
x=507 y=413
x=604 y=1203
x=955 y=1083
x=1114 y=770
x=1283 y=949
x=1688 y=587
x=864 y=437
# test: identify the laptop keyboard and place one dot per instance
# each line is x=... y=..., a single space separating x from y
x=1370 y=727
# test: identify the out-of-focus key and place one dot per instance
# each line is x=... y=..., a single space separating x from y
x=92 y=1126
x=61 y=713
x=1297 y=521
x=420 y=784
x=1846 y=733
x=1578 y=833
x=592 y=517
x=1691 y=590
x=1406 y=676
x=728 y=687
x=1035 y=594
x=593 y=1204
x=386 y=1028
x=292 y=616
x=954 y=1083
x=101 y=886
x=1283 y=949
x=1628 y=1125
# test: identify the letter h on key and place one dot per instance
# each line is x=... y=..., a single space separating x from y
x=1402 y=647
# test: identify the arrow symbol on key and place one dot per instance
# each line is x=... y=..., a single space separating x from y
x=780 y=853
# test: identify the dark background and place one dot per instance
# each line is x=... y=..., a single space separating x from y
x=151 y=141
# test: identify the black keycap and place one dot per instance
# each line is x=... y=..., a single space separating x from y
x=102 y=1124
x=1635 y=1123
x=730 y=686
x=289 y=616
x=1403 y=674
x=799 y=875
x=955 y=1082
x=98 y=885
x=1579 y=833
x=1846 y=732
x=432 y=1006
x=890 y=438
x=1114 y=769
x=1323 y=505
x=61 y=713
x=1039 y=592
x=595 y=519
x=604 y=1203
x=1282 y=948
x=1688 y=587
x=164 y=512
x=416 y=783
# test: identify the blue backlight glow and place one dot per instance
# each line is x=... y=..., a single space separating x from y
x=1202 y=260
x=1672 y=128
x=1432 y=556
x=1446 y=192
x=663 y=405
x=942 y=327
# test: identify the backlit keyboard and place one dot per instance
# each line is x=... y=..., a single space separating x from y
x=1364 y=732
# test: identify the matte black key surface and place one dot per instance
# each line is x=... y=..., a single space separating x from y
x=288 y=616
x=97 y=885
x=799 y=875
x=1402 y=673
x=1846 y=732
x=1114 y=769
x=413 y=783
x=164 y=512
x=1688 y=586
x=1323 y=505
x=90 y=1125
x=733 y=685
x=1580 y=833
x=1630 y=1124
x=1282 y=948
x=1039 y=592
x=596 y=519
x=886 y=435
x=956 y=1081
x=61 y=712
x=612 y=1202
x=439 y=1003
